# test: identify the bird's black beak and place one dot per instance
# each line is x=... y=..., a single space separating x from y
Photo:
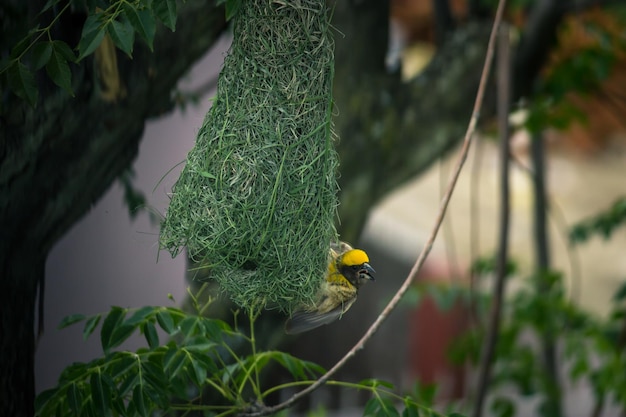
x=367 y=270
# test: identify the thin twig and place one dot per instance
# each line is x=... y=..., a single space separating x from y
x=429 y=243
x=504 y=105
x=474 y=233
x=542 y=266
x=449 y=240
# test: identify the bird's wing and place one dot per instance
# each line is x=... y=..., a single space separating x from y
x=303 y=321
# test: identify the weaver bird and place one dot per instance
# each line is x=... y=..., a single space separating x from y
x=348 y=269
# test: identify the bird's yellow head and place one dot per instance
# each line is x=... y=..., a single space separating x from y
x=354 y=265
x=354 y=257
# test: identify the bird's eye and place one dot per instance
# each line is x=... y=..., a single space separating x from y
x=355 y=267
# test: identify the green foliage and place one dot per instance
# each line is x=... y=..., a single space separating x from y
x=603 y=224
x=503 y=407
x=231 y=7
x=581 y=73
x=384 y=402
x=198 y=359
x=38 y=49
x=592 y=347
x=444 y=295
x=134 y=198
x=202 y=365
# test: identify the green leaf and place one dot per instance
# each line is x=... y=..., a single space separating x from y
x=100 y=395
x=75 y=371
x=443 y=296
x=71 y=319
x=190 y=326
x=425 y=393
x=45 y=400
x=388 y=409
x=199 y=372
x=110 y=324
x=20 y=48
x=371 y=407
x=119 y=408
x=140 y=316
x=166 y=322
x=298 y=368
x=59 y=71
x=503 y=407
x=207 y=361
x=48 y=5
x=620 y=294
x=123 y=35
x=22 y=82
x=92 y=35
x=141 y=402
x=151 y=335
x=41 y=54
x=155 y=384
x=75 y=399
x=121 y=334
x=122 y=363
x=143 y=22
x=127 y=384
x=90 y=325
x=214 y=329
x=65 y=51
x=232 y=7
x=410 y=410
x=165 y=10
x=291 y=364
x=200 y=344
x=173 y=362
x=373 y=382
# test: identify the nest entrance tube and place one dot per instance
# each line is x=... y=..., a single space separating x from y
x=257 y=198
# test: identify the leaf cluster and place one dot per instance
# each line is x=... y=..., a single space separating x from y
x=119 y=20
x=592 y=347
x=204 y=365
x=385 y=402
x=580 y=73
x=603 y=224
x=199 y=359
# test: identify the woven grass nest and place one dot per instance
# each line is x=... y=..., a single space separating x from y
x=256 y=201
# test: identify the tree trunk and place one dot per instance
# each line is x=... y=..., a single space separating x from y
x=17 y=341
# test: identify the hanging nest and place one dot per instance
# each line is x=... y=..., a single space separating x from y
x=256 y=201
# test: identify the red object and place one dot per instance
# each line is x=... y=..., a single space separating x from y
x=431 y=333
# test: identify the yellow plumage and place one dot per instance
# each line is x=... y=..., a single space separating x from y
x=348 y=269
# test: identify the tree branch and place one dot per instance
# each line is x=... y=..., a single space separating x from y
x=444 y=21
x=538 y=39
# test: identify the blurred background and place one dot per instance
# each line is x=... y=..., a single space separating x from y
x=404 y=103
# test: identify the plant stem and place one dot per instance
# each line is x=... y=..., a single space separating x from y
x=252 y=315
x=542 y=266
x=504 y=100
